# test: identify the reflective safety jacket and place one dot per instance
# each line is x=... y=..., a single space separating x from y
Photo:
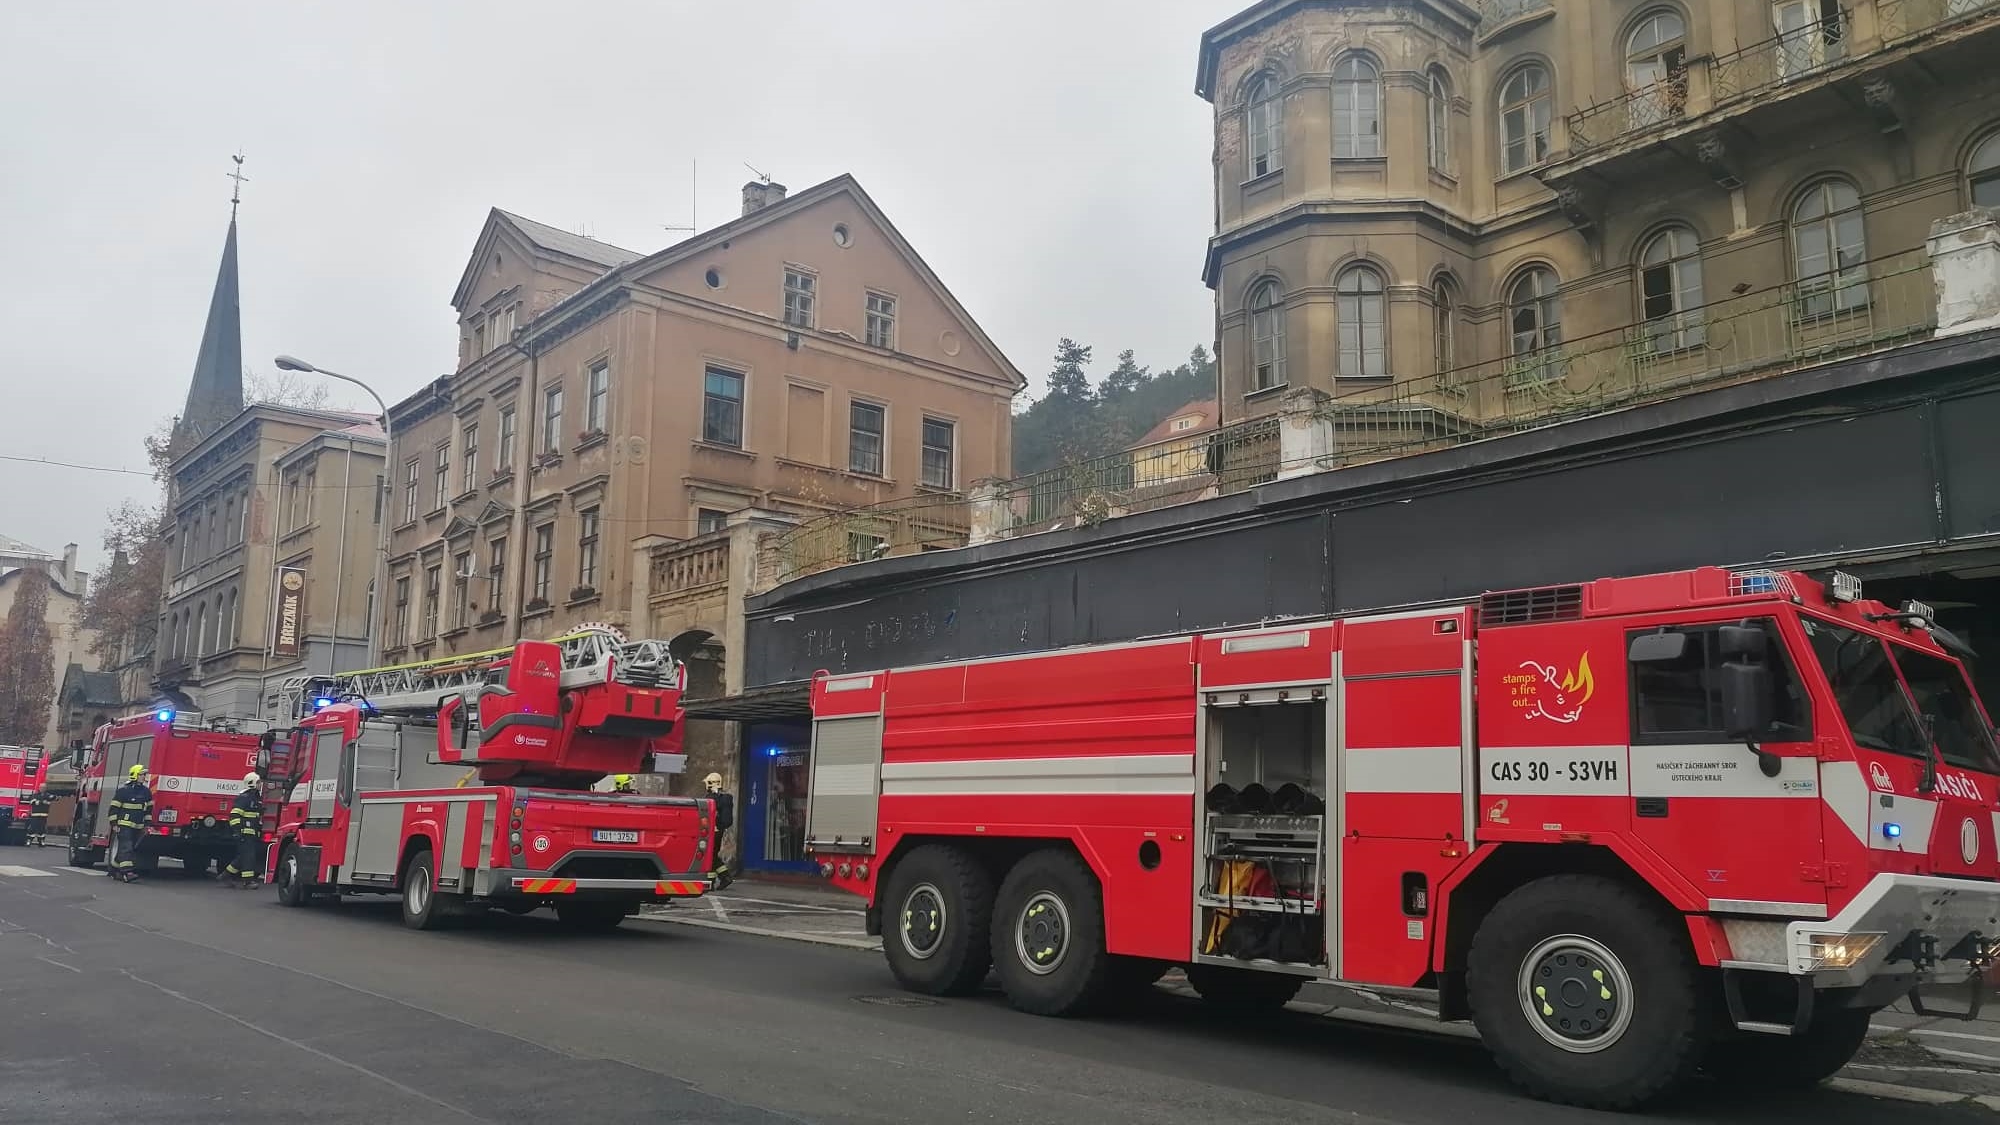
x=246 y=813
x=38 y=805
x=132 y=805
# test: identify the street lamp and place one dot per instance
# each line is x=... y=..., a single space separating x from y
x=293 y=363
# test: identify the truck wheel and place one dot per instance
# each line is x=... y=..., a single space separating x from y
x=1243 y=991
x=1048 y=935
x=80 y=853
x=1790 y=1062
x=937 y=909
x=1586 y=993
x=424 y=906
x=590 y=917
x=146 y=863
x=292 y=889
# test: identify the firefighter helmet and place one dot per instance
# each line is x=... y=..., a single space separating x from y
x=136 y=771
x=714 y=782
x=621 y=779
x=251 y=779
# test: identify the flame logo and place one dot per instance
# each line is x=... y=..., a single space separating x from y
x=1563 y=691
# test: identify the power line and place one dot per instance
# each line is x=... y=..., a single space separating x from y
x=74 y=465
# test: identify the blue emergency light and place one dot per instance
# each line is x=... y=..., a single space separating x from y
x=1892 y=831
x=1758 y=584
x=165 y=714
x=322 y=701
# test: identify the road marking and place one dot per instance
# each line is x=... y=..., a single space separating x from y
x=1932 y=1031
x=59 y=964
x=870 y=944
x=1899 y=1093
x=787 y=905
x=17 y=872
x=715 y=907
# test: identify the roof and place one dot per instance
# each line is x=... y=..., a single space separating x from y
x=1266 y=12
x=575 y=245
x=92 y=687
x=215 y=392
x=12 y=546
x=1209 y=410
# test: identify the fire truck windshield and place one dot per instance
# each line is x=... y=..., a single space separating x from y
x=1881 y=716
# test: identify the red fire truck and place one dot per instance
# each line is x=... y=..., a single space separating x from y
x=197 y=766
x=467 y=783
x=20 y=776
x=1633 y=828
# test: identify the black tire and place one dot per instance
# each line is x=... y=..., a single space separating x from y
x=937 y=913
x=293 y=888
x=1789 y=1062
x=81 y=856
x=424 y=906
x=590 y=917
x=1048 y=936
x=1634 y=1020
x=1243 y=991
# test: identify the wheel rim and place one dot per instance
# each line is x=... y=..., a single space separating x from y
x=1041 y=938
x=1576 y=994
x=291 y=871
x=924 y=918
x=417 y=894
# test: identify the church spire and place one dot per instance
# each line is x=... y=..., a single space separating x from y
x=215 y=394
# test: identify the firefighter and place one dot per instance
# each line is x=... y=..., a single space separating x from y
x=622 y=783
x=131 y=807
x=246 y=822
x=38 y=818
x=725 y=815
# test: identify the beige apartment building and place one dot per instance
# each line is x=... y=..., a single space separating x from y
x=1455 y=216
x=274 y=493
x=64 y=589
x=614 y=413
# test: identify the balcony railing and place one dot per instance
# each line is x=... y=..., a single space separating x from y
x=1634 y=111
x=1902 y=19
x=1784 y=58
x=1494 y=12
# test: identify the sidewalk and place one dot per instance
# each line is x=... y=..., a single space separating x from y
x=797 y=911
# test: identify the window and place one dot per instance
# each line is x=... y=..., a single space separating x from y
x=192 y=544
x=1267 y=337
x=441 y=475
x=1880 y=714
x=469 y=474
x=1656 y=68
x=597 y=399
x=1534 y=317
x=709 y=519
x=545 y=550
x=586 y=548
x=1357 y=109
x=552 y=410
x=881 y=321
x=292 y=509
x=1437 y=123
x=1680 y=701
x=503 y=457
x=201 y=630
x=1525 y=113
x=1942 y=695
x=1264 y=124
x=1982 y=173
x=410 y=471
x=1444 y=329
x=1670 y=290
x=399 y=629
x=799 y=298
x=722 y=407
x=1811 y=33
x=232 y=525
x=1364 y=349
x=225 y=631
x=461 y=590
x=312 y=492
x=214 y=531
x=861 y=546
x=940 y=441
x=1830 y=249
x=864 y=438
x=496 y=572
x=433 y=589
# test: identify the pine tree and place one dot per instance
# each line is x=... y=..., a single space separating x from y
x=27 y=662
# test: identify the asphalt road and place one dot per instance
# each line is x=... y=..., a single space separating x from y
x=178 y=1001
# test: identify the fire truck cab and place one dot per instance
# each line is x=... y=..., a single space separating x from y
x=197 y=767
x=1633 y=829
x=467 y=784
x=20 y=777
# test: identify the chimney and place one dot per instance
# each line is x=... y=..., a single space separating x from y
x=759 y=194
x=69 y=560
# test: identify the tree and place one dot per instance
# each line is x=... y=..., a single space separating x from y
x=27 y=662
x=285 y=388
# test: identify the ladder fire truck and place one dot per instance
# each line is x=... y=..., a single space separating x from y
x=197 y=766
x=466 y=783
x=20 y=776
x=1634 y=829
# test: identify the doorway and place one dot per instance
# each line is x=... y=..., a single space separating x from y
x=776 y=770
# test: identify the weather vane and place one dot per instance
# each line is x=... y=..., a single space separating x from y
x=236 y=192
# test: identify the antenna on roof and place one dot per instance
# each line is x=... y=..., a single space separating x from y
x=694 y=194
x=236 y=192
x=764 y=176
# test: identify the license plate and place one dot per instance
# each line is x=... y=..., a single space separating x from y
x=614 y=836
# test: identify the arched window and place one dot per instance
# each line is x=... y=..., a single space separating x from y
x=1364 y=344
x=1264 y=124
x=1656 y=67
x=1830 y=249
x=1357 y=109
x=1533 y=315
x=1982 y=173
x=1444 y=331
x=226 y=636
x=1267 y=337
x=1670 y=290
x=1437 y=121
x=201 y=630
x=1525 y=113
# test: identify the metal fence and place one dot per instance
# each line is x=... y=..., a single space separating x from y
x=1786 y=57
x=1901 y=19
x=1661 y=103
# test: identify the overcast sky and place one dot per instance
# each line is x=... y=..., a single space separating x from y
x=1049 y=159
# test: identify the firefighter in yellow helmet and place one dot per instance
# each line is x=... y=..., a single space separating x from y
x=622 y=783
x=131 y=808
x=725 y=816
x=246 y=823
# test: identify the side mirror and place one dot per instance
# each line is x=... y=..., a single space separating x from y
x=1741 y=641
x=1658 y=648
x=1746 y=698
